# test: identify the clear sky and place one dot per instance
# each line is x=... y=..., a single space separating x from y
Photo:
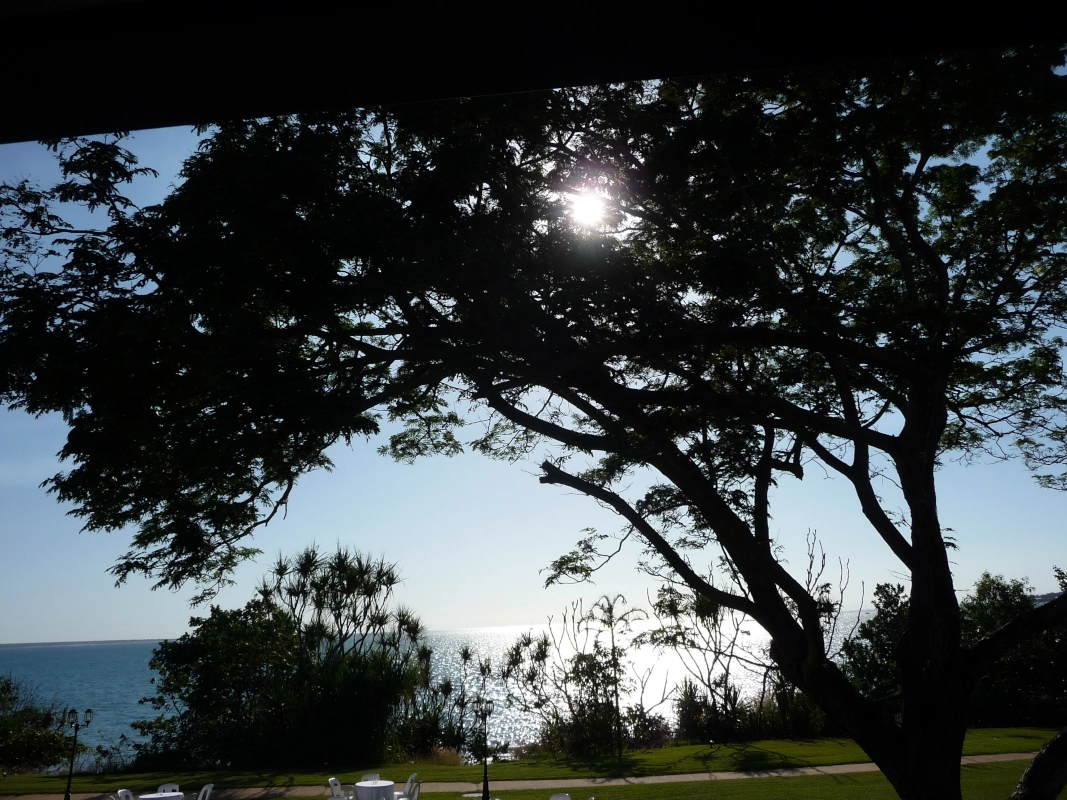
x=470 y=535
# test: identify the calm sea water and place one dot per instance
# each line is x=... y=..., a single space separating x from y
x=108 y=677
x=111 y=677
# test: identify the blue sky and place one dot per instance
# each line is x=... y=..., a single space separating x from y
x=470 y=535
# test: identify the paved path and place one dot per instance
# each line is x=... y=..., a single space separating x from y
x=560 y=783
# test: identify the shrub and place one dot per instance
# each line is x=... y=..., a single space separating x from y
x=285 y=679
x=31 y=733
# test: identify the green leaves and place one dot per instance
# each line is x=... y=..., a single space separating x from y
x=870 y=658
x=32 y=732
x=322 y=640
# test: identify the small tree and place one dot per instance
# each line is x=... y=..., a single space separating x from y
x=230 y=692
x=574 y=677
x=273 y=680
x=31 y=731
x=1028 y=684
x=605 y=614
x=870 y=657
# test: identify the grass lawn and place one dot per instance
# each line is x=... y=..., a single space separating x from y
x=979 y=782
x=666 y=761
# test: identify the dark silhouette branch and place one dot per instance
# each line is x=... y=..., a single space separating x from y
x=989 y=648
x=858 y=475
x=555 y=475
x=1046 y=775
x=580 y=441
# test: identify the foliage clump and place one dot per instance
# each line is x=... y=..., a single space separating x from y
x=32 y=737
x=1026 y=686
x=320 y=666
x=574 y=678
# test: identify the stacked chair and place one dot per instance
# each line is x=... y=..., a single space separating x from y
x=409 y=787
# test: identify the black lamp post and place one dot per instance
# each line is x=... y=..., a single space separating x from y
x=72 y=720
x=483 y=707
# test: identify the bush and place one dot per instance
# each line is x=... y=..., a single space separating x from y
x=574 y=678
x=644 y=730
x=782 y=711
x=317 y=668
x=31 y=734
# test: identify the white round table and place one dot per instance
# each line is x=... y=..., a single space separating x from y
x=162 y=796
x=375 y=790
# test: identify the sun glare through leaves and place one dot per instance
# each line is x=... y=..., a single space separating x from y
x=587 y=209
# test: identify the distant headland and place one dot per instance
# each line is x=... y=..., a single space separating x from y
x=71 y=644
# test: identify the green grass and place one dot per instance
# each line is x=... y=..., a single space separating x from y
x=979 y=782
x=666 y=761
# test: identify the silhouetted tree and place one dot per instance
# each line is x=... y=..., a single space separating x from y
x=276 y=681
x=870 y=657
x=230 y=692
x=606 y=615
x=573 y=677
x=33 y=733
x=860 y=266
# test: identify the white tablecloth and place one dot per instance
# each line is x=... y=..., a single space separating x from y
x=375 y=790
x=162 y=796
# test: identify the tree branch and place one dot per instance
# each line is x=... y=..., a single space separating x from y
x=555 y=475
x=1046 y=775
x=580 y=441
x=857 y=473
x=989 y=648
x=789 y=416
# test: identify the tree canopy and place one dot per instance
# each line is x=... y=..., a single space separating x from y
x=861 y=267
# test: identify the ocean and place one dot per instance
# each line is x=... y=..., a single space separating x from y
x=111 y=677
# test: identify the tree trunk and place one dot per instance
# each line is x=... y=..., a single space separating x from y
x=1046 y=775
x=935 y=689
x=921 y=758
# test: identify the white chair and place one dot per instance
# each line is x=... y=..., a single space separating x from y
x=168 y=787
x=415 y=792
x=408 y=787
x=371 y=776
x=124 y=794
x=560 y=796
x=336 y=790
x=205 y=793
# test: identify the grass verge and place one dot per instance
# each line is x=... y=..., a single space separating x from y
x=978 y=781
x=740 y=756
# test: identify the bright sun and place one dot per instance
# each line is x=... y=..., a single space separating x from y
x=587 y=209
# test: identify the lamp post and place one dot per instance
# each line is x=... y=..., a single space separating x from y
x=483 y=707
x=72 y=720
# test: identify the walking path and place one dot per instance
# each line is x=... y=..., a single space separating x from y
x=560 y=783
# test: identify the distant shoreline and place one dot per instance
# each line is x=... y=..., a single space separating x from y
x=161 y=639
x=1040 y=600
x=72 y=644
